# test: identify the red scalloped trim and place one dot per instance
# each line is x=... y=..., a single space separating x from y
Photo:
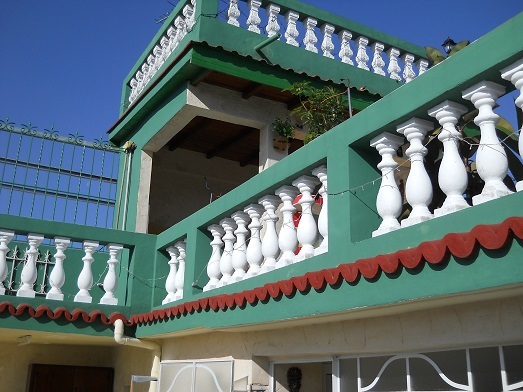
x=42 y=310
x=460 y=245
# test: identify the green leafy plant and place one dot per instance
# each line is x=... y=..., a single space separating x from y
x=436 y=56
x=320 y=108
x=283 y=128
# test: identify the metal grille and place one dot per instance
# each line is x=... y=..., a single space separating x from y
x=47 y=176
x=16 y=260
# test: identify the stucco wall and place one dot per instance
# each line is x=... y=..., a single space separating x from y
x=485 y=323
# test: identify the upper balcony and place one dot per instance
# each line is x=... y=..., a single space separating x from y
x=270 y=252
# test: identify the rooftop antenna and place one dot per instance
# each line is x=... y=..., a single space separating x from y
x=165 y=15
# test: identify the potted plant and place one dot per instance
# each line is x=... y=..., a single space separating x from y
x=283 y=130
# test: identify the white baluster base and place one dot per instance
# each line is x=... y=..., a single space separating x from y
x=2 y=290
x=109 y=301
x=169 y=298
x=414 y=220
x=55 y=296
x=453 y=203
x=386 y=227
x=212 y=284
x=84 y=298
x=519 y=186
x=491 y=192
x=26 y=293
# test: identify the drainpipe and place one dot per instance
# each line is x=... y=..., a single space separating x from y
x=120 y=338
x=268 y=41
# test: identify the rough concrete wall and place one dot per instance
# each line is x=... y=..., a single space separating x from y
x=178 y=186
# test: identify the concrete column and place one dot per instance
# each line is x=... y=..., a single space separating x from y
x=268 y=154
x=144 y=190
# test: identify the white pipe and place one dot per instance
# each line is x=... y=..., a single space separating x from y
x=120 y=338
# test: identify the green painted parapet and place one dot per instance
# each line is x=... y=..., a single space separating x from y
x=66 y=258
x=353 y=185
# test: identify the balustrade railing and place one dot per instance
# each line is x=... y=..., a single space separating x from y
x=36 y=270
x=336 y=38
x=490 y=159
x=343 y=42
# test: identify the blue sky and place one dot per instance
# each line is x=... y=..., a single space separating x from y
x=63 y=61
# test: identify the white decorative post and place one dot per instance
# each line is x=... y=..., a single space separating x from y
x=270 y=248
x=173 y=36
x=422 y=66
x=388 y=201
x=408 y=71
x=179 y=281
x=452 y=175
x=239 y=253
x=327 y=46
x=307 y=230
x=170 y=282
x=288 y=238
x=226 y=267
x=418 y=189
x=291 y=33
x=29 y=273
x=377 y=59
x=134 y=89
x=345 y=50
x=514 y=73
x=85 y=279
x=145 y=72
x=158 y=55
x=188 y=13
x=233 y=13
x=361 y=57
x=272 y=24
x=5 y=237
x=491 y=158
x=254 y=249
x=164 y=43
x=253 y=21
x=181 y=30
x=139 y=78
x=394 y=68
x=57 y=277
x=111 y=280
x=310 y=39
x=323 y=224
x=213 y=266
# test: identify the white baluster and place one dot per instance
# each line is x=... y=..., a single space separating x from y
x=422 y=66
x=85 y=279
x=150 y=67
x=253 y=21
x=377 y=60
x=158 y=54
x=514 y=73
x=270 y=248
x=491 y=158
x=111 y=280
x=452 y=175
x=310 y=39
x=57 y=277
x=139 y=79
x=291 y=33
x=145 y=72
x=272 y=24
x=345 y=49
x=408 y=71
x=361 y=57
x=239 y=253
x=188 y=13
x=327 y=46
x=226 y=267
x=288 y=238
x=323 y=223
x=233 y=13
x=388 y=201
x=418 y=189
x=164 y=43
x=179 y=280
x=181 y=29
x=170 y=282
x=307 y=229
x=29 y=273
x=134 y=89
x=394 y=68
x=173 y=36
x=254 y=249
x=213 y=266
x=5 y=237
